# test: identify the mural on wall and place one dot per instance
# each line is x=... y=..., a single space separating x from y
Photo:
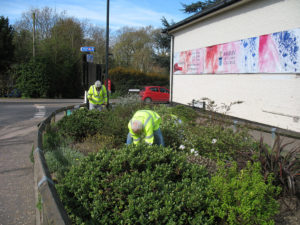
x=272 y=53
x=189 y=62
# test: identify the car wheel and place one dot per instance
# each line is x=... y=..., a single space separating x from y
x=148 y=100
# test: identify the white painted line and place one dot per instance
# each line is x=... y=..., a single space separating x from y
x=41 y=111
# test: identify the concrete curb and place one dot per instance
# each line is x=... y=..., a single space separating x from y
x=50 y=210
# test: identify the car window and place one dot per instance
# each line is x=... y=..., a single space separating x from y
x=154 y=89
x=163 y=90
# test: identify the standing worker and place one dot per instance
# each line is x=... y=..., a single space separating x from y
x=97 y=96
x=144 y=126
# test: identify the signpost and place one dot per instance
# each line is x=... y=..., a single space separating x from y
x=87 y=49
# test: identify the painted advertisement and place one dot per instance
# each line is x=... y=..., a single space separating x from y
x=272 y=53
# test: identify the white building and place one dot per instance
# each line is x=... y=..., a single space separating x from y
x=241 y=50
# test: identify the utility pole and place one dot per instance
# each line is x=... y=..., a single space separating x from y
x=107 y=49
x=33 y=35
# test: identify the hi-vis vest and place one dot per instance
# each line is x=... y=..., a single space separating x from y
x=98 y=98
x=150 y=121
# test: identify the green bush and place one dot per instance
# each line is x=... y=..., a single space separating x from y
x=32 y=79
x=136 y=185
x=81 y=123
x=218 y=142
x=61 y=160
x=242 y=197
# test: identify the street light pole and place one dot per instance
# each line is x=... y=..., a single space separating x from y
x=107 y=49
x=33 y=34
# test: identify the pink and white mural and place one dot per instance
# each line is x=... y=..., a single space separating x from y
x=272 y=53
x=189 y=62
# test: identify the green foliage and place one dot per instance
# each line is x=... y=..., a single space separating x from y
x=6 y=44
x=136 y=185
x=125 y=79
x=32 y=79
x=52 y=139
x=198 y=6
x=242 y=197
x=218 y=142
x=285 y=165
x=81 y=123
x=60 y=160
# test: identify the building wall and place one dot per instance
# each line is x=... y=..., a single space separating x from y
x=272 y=99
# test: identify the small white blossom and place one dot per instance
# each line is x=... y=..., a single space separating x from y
x=182 y=147
x=213 y=141
x=195 y=152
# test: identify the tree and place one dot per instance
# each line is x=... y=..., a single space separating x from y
x=96 y=38
x=61 y=55
x=6 y=51
x=134 y=48
x=197 y=7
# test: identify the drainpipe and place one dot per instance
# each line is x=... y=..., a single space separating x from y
x=171 y=68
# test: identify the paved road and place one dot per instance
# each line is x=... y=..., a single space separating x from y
x=18 y=131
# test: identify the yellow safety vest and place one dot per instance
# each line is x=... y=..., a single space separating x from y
x=150 y=121
x=98 y=98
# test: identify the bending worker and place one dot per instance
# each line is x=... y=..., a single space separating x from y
x=97 y=96
x=144 y=126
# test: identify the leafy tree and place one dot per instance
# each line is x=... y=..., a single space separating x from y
x=96 y=38
x=162 y=42
x=134 y=47
x=198 y=6
x=6 y=50
x=62 y=58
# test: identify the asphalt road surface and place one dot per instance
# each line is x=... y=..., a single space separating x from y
x=18 y=134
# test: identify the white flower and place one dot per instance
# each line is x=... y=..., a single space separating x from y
x=213 y=141
x=182 y=147
x=195 y=152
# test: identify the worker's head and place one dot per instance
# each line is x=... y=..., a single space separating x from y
x=98 y=84
x=137 y=126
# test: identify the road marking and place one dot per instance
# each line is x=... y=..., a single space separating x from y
x=41 y=111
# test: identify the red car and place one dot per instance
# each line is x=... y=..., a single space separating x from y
x=155 y=94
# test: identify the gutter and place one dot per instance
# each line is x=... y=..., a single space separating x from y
x=218 y=6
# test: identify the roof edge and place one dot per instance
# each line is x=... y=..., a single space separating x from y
x=218 y=6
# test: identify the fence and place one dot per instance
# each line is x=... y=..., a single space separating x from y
x=49 y=207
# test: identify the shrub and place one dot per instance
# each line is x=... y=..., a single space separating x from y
x=217 y=142
x=52 y=139
x=242 y=197
x=61 y=160
x=81 y=123
x=32 y=79
x=283 y=164
x=136 y=185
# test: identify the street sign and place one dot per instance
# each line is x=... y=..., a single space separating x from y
x=87 y=49
x=89 y=58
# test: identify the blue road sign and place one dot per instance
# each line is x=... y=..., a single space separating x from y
x=89 y=58
x=87 y=49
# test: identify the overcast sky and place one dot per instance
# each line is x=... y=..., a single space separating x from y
x=133 y=13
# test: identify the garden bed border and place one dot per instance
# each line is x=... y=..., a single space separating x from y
x=50 y=209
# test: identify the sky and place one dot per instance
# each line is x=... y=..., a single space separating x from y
x=132 y=13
